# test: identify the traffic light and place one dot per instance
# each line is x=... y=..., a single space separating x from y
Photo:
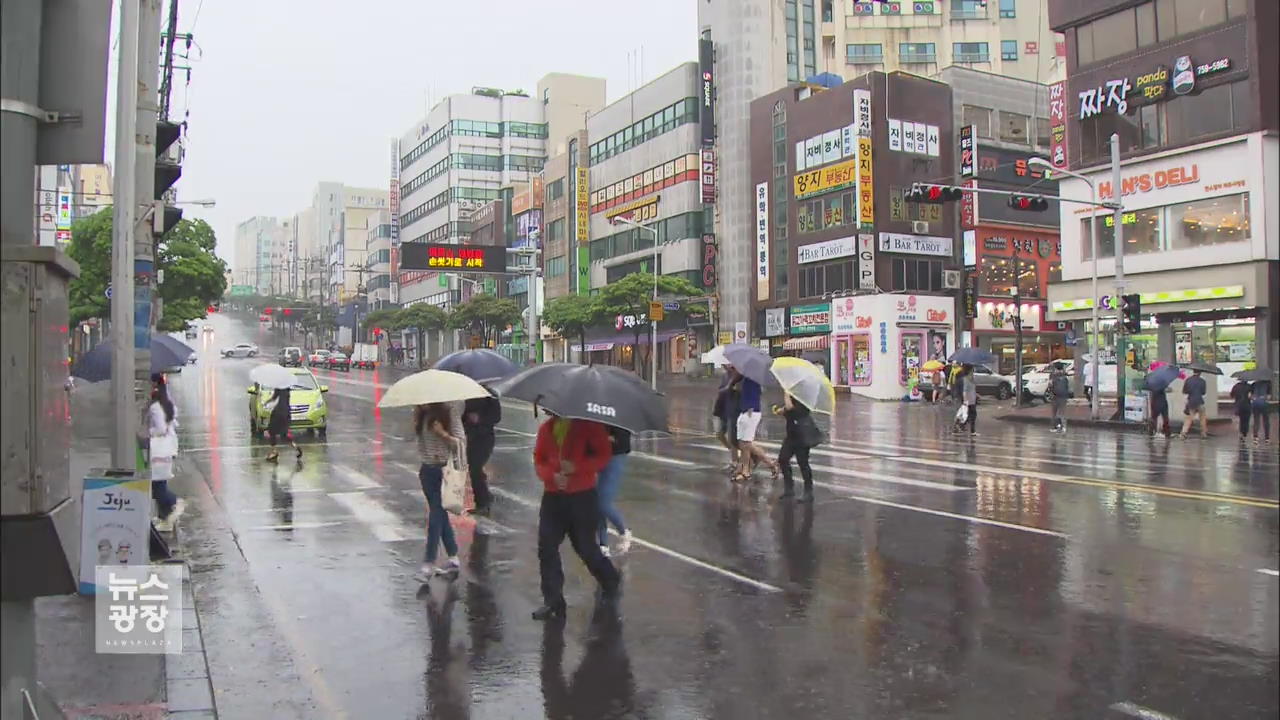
x=288 y=312
x=1028 y=203
x=168 y=170
x=268 y=311
x=933 y=194
x=1131 y=309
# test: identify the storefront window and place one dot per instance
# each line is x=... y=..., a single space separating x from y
x=1209 y=222
x=909 y=359
x=1055 y=272
x=862 y=360
x=1142 y=229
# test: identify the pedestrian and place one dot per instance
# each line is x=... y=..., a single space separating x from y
x=1241 y=401
x=568 y=455
x=969 y=395
x=278 y=424
x=748 y=422
x=438 y=427
x=1160 y=409
x=726 y=410
x=1194 y=388
x=802 y=434
x=479 y=418
x=162 y=443
x=953 y=380
x=1261 y=410
x=1060 y=387
x=610 y=482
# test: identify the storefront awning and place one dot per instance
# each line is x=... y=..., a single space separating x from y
x=813 y=342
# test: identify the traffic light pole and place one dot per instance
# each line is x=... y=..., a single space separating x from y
x=1118 y=222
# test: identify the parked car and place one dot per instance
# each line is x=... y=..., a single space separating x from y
x=307 y=408
x=318 y=357
x=240 y=350
x=291 y=357
x=338 y=361
x=364 y=355
x=990 y=383
x=190 y=333
x=1036 y=380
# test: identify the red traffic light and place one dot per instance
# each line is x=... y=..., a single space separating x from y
x=211 y=309
x=267 y=311
x=288 y=311
x=1027 y=203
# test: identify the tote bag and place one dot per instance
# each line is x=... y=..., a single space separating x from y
x=453 y=491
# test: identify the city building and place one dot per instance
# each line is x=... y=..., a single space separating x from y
x=560 y=243
x=332 y=238
x=66 y=193
x=1189 y=87
x=1002 y=37
x=643 y=155
x=377 y=288
x=262 y=246
x=829 y=171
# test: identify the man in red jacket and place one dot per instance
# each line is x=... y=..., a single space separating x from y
x=567 y=456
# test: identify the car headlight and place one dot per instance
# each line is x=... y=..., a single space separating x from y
x=319 y=402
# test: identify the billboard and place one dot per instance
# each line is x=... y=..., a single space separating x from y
x=1058 y=124
x=762 y=241
x=468 y=258
x=581 y=205
x=706 y=112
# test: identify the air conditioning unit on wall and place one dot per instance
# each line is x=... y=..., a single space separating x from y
x=919 y=226
x=951 y=279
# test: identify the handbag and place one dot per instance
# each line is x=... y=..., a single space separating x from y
x=808 y=433
x=962 y=415
x=453 y=489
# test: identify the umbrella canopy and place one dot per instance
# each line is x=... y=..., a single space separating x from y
x=1203 y=367
x=272 y=376
x=166 y=352
x=601 y=393
x=480 y=365
x=432 y=386
x=1258 y=374
x=972 y=356
x=805 y=382
x=715 y=356
x=749 y=361
x=933 y=366
x=1161 y=378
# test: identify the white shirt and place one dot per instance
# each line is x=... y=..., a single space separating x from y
x=164 y=433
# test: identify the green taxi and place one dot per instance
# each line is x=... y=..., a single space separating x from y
x=308 y=409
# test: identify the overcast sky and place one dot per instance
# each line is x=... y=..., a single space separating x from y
x=286 y=93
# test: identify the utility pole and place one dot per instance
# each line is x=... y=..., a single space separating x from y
x=166 y=81
x=1118 y=215
x=124 y=419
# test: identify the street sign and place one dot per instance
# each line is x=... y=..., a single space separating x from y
x=108 y=292
x=656 y=312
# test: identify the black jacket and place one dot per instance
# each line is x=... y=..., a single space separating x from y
x=488 y=413
x=621 y=440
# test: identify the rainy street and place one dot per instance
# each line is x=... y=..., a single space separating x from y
x=1018 y=574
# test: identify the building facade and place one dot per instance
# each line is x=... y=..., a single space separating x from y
x=1189 y=89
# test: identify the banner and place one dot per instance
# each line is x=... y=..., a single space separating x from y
x=775 y=322
x=740 y=332
x=762 y=241
x=115 y=524
x=709 y=255
x=968 y=151
x=866 y=183
x=708 y=176
x=866 y=261
x=836 y=177
x=584 y=270
x=64 y=209
x=706 y=112
x=1058 y=124
x=968 y=206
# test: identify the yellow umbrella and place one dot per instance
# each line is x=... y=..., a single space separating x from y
x=806 y=382
x=432 y=386
x=933 y=365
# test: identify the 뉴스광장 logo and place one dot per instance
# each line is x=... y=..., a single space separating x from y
x=1184 y=75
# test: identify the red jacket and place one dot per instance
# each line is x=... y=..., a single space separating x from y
x=586 y=445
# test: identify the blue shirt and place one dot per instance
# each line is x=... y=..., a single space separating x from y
x=750 y=401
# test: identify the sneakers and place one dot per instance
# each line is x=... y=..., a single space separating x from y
x=549 y=612
x=624 y=545
x=425 y=572
x=178 y=508
x=450 y=568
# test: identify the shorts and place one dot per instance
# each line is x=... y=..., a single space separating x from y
x=747 y=424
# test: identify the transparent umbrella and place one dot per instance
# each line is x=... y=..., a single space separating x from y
x=805 y=382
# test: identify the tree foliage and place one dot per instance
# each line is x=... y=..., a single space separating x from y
x=571 y=315
x=631 y=296
x=485 y=314
x=91 y=248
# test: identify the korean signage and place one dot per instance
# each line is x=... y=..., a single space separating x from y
x=968 y=151
x=706 y=112
x=968 y=206
x=709 y=255
x=915 y=244
x=584 y=269
x=708 y=176
x=641 y=211
x=913 y=137
x=816 y=182
x=825 y=148
x=971 y=295
x=1120 y=95
x=581 y=204
x=829 y=250
x=842 y=315
x=1032 y=247
x=115 y=524
x=64 y=209
x=685 y=168
x=775 y=322
x=138 y=609
x=1156 y=298
x=470 y=258
x=866 y=183
x=393 y=197
x=762 y=241
x=740 y=332
x=807 y=319
x=529 y=198
x=862 y=112
x=866 y=261
x=926 y=309
x=1058 y=124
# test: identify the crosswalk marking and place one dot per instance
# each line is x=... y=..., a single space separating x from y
x=297 y=526
x=365 y=482
x=877 y=477
x=384 y=524
x=954 y=516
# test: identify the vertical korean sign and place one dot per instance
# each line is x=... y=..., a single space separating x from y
x=708 y=176
x=581 y=206
x=706 y=111
x=1058 y=124
x=393 y=206
x=968 y=151
x=762 y=241
x=866 y=181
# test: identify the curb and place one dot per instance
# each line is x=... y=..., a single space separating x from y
x=188 y=687
x=1106 y=424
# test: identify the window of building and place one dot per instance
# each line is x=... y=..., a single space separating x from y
x=1193 y=15
x=1142 y=234
x=1146 y=19
x=1042 y=132
x=912 y=274
x=828 y=10
x=968 y=9
x=1008 y=49
x=979 y=116
x=1007 y=9
x=1195 y=116
x=970 y=52
x=1013 y=127
x=555 y=230
x=556 y=266
x=864 y=53
x=1209 y=222
x=824 y=278
x=917 y=52
x=555 y=190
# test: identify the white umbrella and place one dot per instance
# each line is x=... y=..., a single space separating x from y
x=715 y=356
x=272 y=375
x=432 y=386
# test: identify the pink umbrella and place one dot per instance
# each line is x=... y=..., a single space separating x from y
x=1157 y=364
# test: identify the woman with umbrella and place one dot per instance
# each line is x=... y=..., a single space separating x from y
x=969 y=395
x=1241 y=400
x=438 y=428
x=280 y=378
x=806 y=390
x=162 y=436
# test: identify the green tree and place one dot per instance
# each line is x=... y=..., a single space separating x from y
x=631 y=296
x=91 y=247
x=421 y=318
x=487 y=315
x=571 y=315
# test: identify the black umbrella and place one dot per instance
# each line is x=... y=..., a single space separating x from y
x=750 y=362
x=1162 y=377
x=1259 y=374
x=972 y=356
x=166 y=352
x=1203 y=367
x=479 y=365
x=601 y=393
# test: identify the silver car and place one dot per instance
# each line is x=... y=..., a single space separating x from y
x=240 y=350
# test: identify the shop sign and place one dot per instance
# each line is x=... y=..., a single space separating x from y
x=968 y=150
x=971 y=296
x=1148 y=181
x=843 y=316
x=725 y=337
x=584 y=270
x=817 y=182
x=706 y=114
x=884 y=337
x=807 y=319
x=1044 y=248
x=740 y=332
x=775 y=322
x=709 y=255
x=968 y=206
x=914 y=137
x=1001 y=316
x=64 y=209
x=640 y=211
x=828 y=250
x=862 y=113
x=866 y=183
x=1120 y=95
x=825 y=148
x=916 y=244
x=919 y=308
x=630 y=321
x=708 y=176
x=866 y=261
x=473 y=258
x=762 y=241
x=582 y=205
x=1156 y=298
x=1058 y=124
x=970 y=249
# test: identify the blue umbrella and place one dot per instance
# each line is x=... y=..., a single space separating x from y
x=166 y=352
x=479 y=365
x=972 y=356
x=750 y=362
x=1162 y=377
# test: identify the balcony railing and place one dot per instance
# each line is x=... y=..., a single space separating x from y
x=972 y=57
x=968 y=14
x=918 y=58
x=865 y=59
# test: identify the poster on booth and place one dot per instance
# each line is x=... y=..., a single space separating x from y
x=115 y=527
x=740 y=332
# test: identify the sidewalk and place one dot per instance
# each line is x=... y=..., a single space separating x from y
x=1077 y=413
x=126 y=687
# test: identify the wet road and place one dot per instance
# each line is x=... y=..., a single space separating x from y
x=1014 y=575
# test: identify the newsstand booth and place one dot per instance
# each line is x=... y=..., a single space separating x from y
x=880 y=342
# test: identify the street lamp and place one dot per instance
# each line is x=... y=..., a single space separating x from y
x=653 y=325
x=205 y=203
x=1094 y=400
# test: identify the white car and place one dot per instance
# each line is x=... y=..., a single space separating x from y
x=1035 y=379
x=240 y=350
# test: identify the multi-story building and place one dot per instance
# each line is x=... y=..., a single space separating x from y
x=560 y=241
x=1188 y=87
x=263 y=246
x=846 y=270
x=377 y=287
x=332 y=236
x=1002 y=37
